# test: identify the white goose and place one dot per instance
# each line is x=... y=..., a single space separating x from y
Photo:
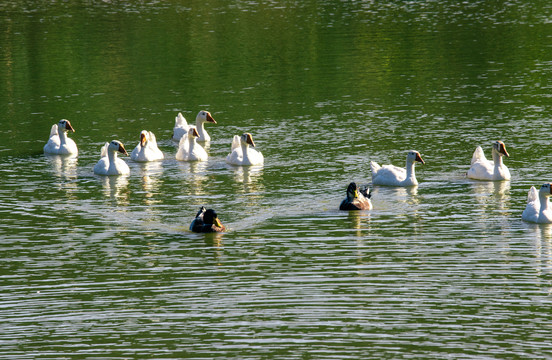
x=147 y=149
x=538 y=208
x=110 y=164
x=391 y=175
x=483 y=169
x=59 y=143
x=242 y=154
x=189 y=149
x=181 y=127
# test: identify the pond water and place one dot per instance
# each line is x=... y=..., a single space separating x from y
x=96 y=267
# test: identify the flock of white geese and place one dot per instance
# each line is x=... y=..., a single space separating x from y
x=538 y=208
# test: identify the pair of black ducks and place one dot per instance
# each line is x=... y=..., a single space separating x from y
x=207 y=221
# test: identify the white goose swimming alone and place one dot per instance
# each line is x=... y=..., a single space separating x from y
x=483 y=169
x=538 y=208
x=109 y=163
x=189 y=149
x=181 y=126
x=59 y=143
x=147 y=149
x=391 y=175
x=242 y=154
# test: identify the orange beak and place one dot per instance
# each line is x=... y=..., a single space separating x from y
x=122 y=149
x=502 y=150
x=69 y=127
x=209 y=118
x=419 y=158
x=143 y=139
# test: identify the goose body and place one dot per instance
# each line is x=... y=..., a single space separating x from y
x=242 y=154
x=483 y=169
x=538 y=209
x=391 y=175
x=147 y=149
x=181 y=126
x=109 y=163
x=59 y=143
x=356 y=199
x=189 y=149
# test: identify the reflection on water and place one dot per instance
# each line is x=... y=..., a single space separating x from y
x=491 y=196
x=543 y=252
x=116 y=188
x=63 y=166
x=151 y=174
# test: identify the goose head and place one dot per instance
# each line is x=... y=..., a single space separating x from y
x=414 y=156
x=246 y=138
x=500 y=148
x=205 y=116
x=546 y=189
x=65 y=125
x=143 y=138
x=192 y=133
x=210 y=217
x=116 y=145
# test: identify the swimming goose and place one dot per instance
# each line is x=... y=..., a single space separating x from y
x=356 y=200
x=206 y=221
x=391 y=175
x=538 y=208
x=147 y=149
x=483 y=169
x=110 y=164
x=242 y=154
x=59 y=143
x=181 y=127
x=189 y=149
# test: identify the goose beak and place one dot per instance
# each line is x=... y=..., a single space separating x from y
x=502 y=150
x=209 y=118
x=122 y=149
x=250 y=140
x=143 y=139
x=419 y=158
x=69 y=127
x=194 y=132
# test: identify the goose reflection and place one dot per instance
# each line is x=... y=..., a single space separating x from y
x=116 y=187
x=196 y=175
x=247 y=174
x=492 y=195
x=151 y=173
x=63 y=166
x=543 y=249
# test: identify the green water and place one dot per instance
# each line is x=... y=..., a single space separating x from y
x=97 y=268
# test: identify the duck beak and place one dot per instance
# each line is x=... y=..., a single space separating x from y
x=69 y=127
x=502 y=150
x=143 y=139
x=210 y=119
x=217 y=222
x=419 y=158
x=122 y=149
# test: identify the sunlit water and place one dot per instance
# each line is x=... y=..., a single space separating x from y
x=97 y=267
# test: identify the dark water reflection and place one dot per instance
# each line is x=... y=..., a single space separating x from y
x=106 y=268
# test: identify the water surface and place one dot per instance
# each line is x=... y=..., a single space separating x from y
x=99 y=267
